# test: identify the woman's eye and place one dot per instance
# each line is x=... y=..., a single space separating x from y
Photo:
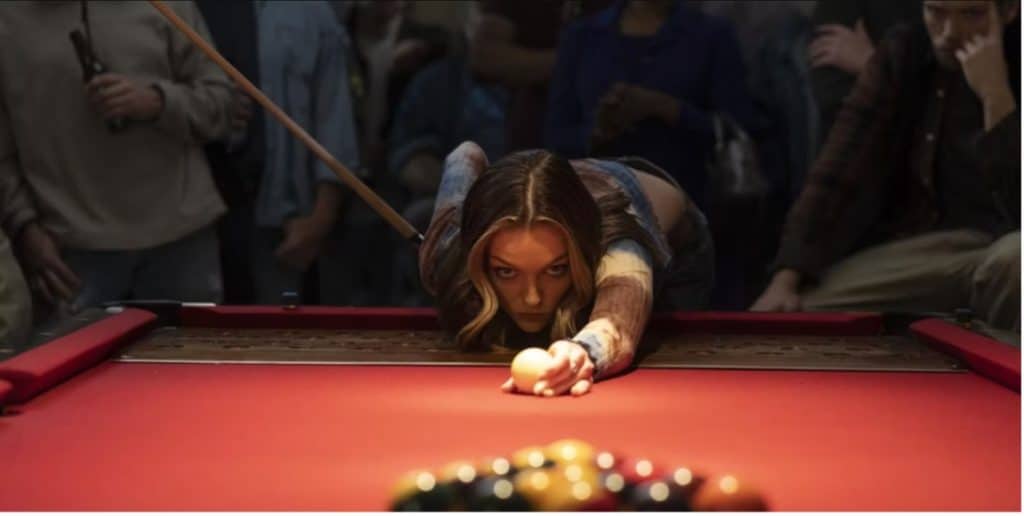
x=504 y=272
x=558 y=270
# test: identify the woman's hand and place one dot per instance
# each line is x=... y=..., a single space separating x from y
x=625 y=105
x=571 y=371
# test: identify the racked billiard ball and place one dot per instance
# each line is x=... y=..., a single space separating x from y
x=671 y=492
x=727 y=493
x=496 y=493
x=686 y=482
x=494 y=466
x=419 y=491
x=613 y=482
x=638 y=470
x=568 y=451
x=605 y=460
x=531 y=457
x=657 y=495
x=459 y=476
x=564 y=489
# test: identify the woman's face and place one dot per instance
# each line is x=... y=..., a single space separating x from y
x=529 y=268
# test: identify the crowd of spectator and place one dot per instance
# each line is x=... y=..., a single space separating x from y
x=884 y=143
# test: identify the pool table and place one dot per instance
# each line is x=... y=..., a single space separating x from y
x=85 y=430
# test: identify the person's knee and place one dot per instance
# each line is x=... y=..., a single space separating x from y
x=1001 y=263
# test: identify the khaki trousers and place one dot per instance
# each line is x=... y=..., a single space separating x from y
x=15 y=300
x=939 y=271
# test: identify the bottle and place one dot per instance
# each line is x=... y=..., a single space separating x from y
x=91 y=67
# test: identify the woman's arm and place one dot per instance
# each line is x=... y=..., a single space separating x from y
x=461 y=168
x=622 y=306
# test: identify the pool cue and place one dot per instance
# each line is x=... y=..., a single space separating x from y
x=364 y=192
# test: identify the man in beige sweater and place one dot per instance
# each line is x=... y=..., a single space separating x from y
x=100 y=214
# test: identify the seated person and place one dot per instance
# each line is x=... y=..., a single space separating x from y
x=15 y=301
x=914 y=204
x=535 y=247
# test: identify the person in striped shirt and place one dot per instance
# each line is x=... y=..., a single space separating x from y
x=534 y=248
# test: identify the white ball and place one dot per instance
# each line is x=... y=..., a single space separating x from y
x=527 y=367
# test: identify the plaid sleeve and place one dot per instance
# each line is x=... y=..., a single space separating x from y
x=625 y=294
x=461 y=168
x=842 y=197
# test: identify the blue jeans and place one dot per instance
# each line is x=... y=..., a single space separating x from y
x=185 y=270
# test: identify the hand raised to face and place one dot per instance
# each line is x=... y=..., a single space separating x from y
x=982 y=60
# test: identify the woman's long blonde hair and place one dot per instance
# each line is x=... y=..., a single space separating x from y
x=521 y=189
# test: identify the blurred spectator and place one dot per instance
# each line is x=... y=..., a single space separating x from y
x=299 y=200
x=515 y=45
x=914 y=203
x=443 y=106
x=15 y=301
x=389 y=48
x=450 y=15
x=120 y=213
x=846 y=32
x=773 y=38
x=755 y=22
x=237 y=164
x=644 y=78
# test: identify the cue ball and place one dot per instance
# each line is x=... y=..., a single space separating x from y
x=527 y=367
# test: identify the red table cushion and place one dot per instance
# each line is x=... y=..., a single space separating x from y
x=5 y=390
x=360 y=318
x=990 y=358
x=42 y=367
x=806 y=323
x=310 y=317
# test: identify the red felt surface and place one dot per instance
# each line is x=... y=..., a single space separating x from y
x=249 y=437
x=40 y=368
x=986 y=356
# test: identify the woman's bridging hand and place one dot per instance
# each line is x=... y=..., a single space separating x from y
x=569 y=371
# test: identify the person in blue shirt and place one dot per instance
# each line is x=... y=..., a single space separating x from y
x=643 y=78
x=443 y=106
x=302 y=68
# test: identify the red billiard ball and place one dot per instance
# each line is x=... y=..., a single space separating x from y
x=638 y=470
x=727 y=493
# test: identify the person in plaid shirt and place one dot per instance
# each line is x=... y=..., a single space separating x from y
x=914 y=203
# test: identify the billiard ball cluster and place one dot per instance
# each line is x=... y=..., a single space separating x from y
x=569 y=475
